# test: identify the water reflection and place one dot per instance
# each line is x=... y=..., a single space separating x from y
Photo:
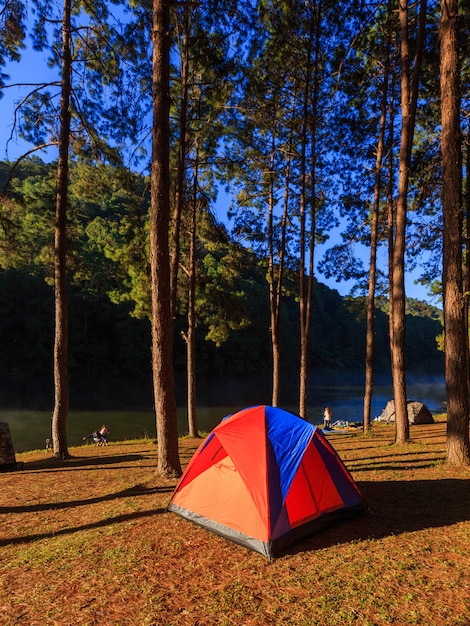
x=346 y=403
x=29 y=429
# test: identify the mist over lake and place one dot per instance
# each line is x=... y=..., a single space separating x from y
x=29 y=429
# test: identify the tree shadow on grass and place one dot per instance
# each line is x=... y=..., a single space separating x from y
x=394 y=465
x=396 y=507
x=119 y=519
x=132 y=492
x=400 y=458
x=52 y=464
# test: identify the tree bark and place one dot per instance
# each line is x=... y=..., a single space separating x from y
x=303 y=291
x=277 y=296
x=191 y=336
x=273 y=289
x=276 y=277
x=180 y=177
x=307 y=278
x=456 y=357
x=409 y=97
x=370 y=318
x=467 y=253
x=61 y=373
x=162 y=327
x=397 y=334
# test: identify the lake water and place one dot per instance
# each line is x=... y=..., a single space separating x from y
x=29 y=429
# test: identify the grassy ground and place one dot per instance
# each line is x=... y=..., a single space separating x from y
x=89 y=542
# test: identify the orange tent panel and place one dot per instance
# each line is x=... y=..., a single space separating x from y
x=221 y=495
x=244 y=441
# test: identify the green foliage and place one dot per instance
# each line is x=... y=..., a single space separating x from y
x=12 y=33
x=107 y=104
x=27 y=218
x=414 y=307
x=111 y=206
x=109 y=294
x=221 y=287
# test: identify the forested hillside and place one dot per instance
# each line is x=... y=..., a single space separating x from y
x=110 y=350
x=110 y=364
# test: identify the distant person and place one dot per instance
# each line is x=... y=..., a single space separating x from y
x=327 y=417
x=100 y=437
x=104 y=432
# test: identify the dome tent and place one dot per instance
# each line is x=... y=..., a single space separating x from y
x=418 y=413
x=265 y=478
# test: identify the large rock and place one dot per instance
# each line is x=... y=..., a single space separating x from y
x=418 y=413
x=7 y=452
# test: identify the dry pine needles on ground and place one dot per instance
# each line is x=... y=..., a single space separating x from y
x=89 y=541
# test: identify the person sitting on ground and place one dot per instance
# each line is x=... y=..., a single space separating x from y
x=100 y=437
x=104 y=432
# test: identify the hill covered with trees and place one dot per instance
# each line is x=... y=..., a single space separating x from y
x=110 y=343
x=110 y=363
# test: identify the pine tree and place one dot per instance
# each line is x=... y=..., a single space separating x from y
x=458 y=445
x=162 y=335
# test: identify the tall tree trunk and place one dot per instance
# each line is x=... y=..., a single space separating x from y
x=162 y=327
x=456 y=357
x=369 y=378
x=276 y=275
x=390 y=197
x=191 y=335
x=303 y=291
x=397 y=287
x=61 y=373
x=467 y=251
x=307 y=278
x=180 y=177
x=273 y=286
x=409 y=96
x=275 y=291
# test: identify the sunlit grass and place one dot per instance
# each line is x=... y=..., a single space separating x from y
x=90 y=541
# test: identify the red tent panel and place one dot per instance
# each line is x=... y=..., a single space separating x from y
x=313 y=491
x=209 y=452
